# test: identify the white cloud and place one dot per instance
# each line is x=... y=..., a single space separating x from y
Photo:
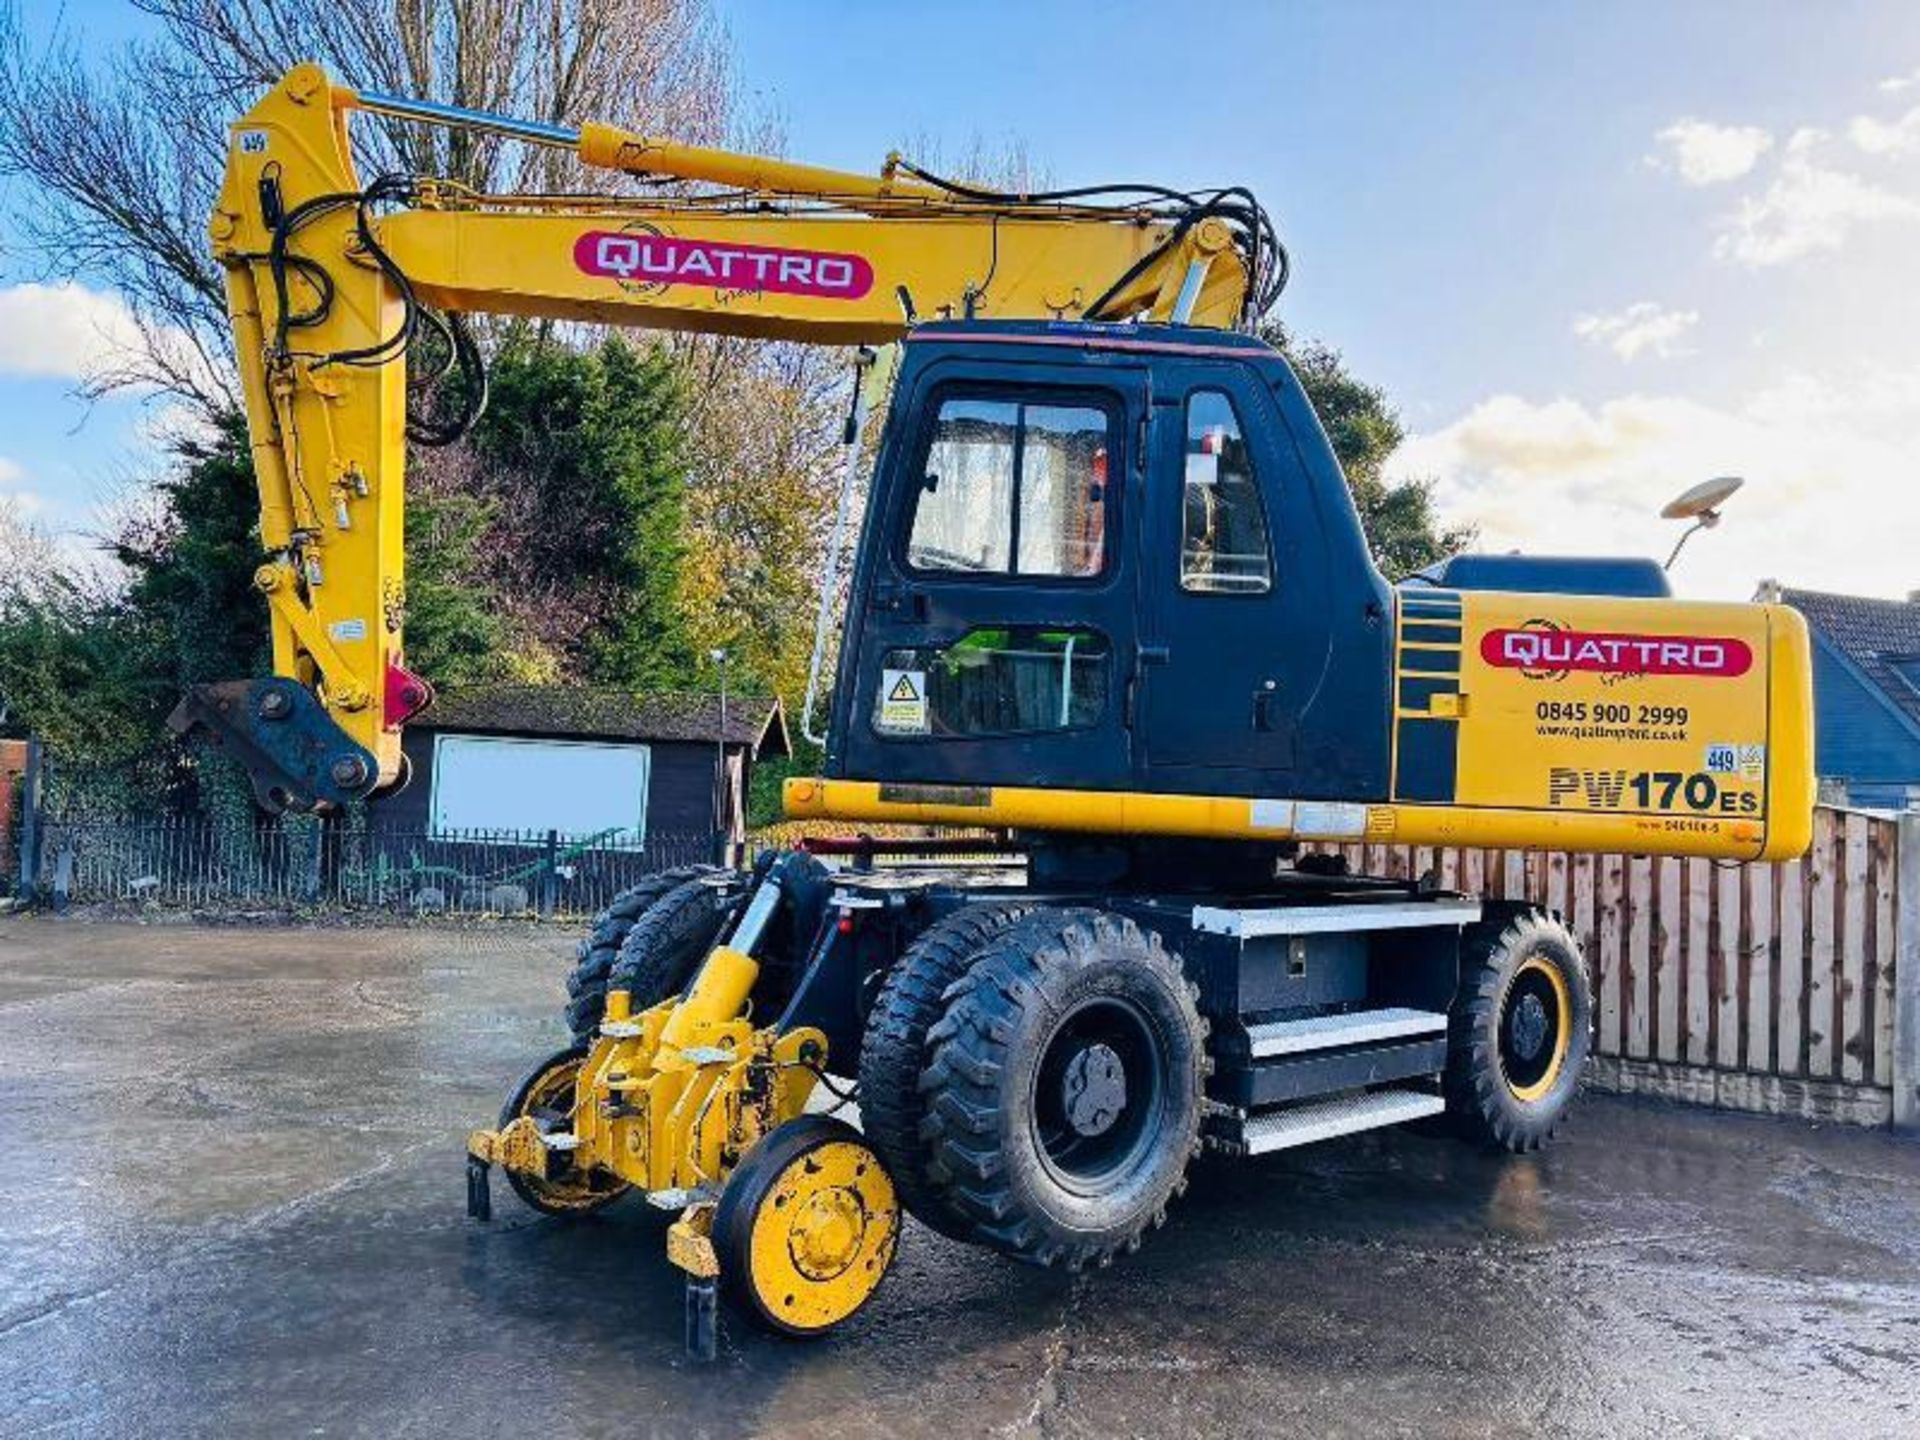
x=1703 y=153
x=1894 y=84
x=1808 y=206
x=1828 y=469
x=16 y=500
x=1643 y=327
x=1884 y=137
x=164 y=427
x=63 y=331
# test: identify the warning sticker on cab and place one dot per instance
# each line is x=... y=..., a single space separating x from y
x=903 y=701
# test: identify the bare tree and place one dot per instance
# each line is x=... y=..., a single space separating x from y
x=29 y=558
x=116 y=164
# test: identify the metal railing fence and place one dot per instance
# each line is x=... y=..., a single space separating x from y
x=198 y=862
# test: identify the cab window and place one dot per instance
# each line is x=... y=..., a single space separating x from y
x=1223 y=532
x=995 y=680
x=1013 y=487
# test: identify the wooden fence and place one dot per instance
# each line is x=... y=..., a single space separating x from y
x=1771 y=987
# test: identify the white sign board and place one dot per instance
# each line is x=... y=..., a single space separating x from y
x=491 y=782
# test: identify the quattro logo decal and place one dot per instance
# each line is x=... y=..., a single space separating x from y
x=637 y=257
x=1555 y=652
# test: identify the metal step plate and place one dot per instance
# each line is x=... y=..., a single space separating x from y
x=1342 y=1115
x=1336 y=919
x=1323 y=1032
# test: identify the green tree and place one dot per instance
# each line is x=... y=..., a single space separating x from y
x=93 y=667
x=1402 y=528
x=73 y=673
x=455 y=632
x=191 y=558
x=584 y=451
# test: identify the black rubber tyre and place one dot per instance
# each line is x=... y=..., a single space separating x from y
x=668 y=942
x=546 y=1093
x=1064 y=1088
x=587 y=984
x=1518 y=1033
x=805 y=1276
x=893 y=1052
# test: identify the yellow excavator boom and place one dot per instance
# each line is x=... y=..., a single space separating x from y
x=332 y=283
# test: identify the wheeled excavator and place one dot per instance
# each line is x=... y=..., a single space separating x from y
x=1110 y=602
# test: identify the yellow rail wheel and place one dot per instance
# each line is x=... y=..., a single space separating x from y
x=806 y=1227
x=547 y=1094
x=1521 y=1027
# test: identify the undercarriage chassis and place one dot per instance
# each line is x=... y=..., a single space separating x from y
x=1036 y=1063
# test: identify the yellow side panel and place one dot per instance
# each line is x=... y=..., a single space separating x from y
x=1658 y=710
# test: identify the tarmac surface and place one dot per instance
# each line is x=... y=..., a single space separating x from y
x=231 y=1197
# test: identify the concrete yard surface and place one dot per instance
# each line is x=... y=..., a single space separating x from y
x=231 y=1203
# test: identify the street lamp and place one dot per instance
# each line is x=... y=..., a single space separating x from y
x=1700 y=504
x=722 y=801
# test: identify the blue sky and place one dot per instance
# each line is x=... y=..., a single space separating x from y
x=1593 y=253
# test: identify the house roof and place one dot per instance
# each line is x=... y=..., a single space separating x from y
x=1879 y=637
x=755 y=721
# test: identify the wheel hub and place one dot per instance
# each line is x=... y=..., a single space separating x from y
x=1094 y=1090
x=827 y=1233
x=1533 y=1034
x=1529 y=1028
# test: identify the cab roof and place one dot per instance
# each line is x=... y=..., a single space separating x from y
x=1093 y=335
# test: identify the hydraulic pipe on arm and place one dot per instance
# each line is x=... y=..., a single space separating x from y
x=335 y=287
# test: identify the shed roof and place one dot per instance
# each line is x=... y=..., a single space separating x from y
x=1880 y=637
x=755 y=721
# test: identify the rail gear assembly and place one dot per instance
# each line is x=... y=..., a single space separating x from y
x=1111 y=602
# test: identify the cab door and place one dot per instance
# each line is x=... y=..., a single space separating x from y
x=1236 y=614
x=993 y=618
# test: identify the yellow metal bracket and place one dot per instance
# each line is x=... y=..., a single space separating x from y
x=345 y=689
x=516 y=1146
x=690 y=1242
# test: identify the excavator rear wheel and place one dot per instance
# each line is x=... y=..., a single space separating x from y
x=547 y=1094
x=806 y=1227
x=1064 y=1088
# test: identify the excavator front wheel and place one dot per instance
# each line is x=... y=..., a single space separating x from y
x=806 y=1227
x=547 y=1094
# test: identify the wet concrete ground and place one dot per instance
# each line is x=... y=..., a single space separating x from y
x=230 y=1204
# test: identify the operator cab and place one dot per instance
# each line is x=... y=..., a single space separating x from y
x=1111 y=557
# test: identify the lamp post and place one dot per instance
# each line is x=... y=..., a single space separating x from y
x=722 y=802
x=1701 y=504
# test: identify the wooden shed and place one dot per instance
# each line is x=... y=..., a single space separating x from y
x=583 y=762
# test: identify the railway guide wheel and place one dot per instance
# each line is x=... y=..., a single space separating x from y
x=547 y=1094
x=806 y=1227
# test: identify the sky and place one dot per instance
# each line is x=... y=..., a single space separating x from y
x=1593 y=254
